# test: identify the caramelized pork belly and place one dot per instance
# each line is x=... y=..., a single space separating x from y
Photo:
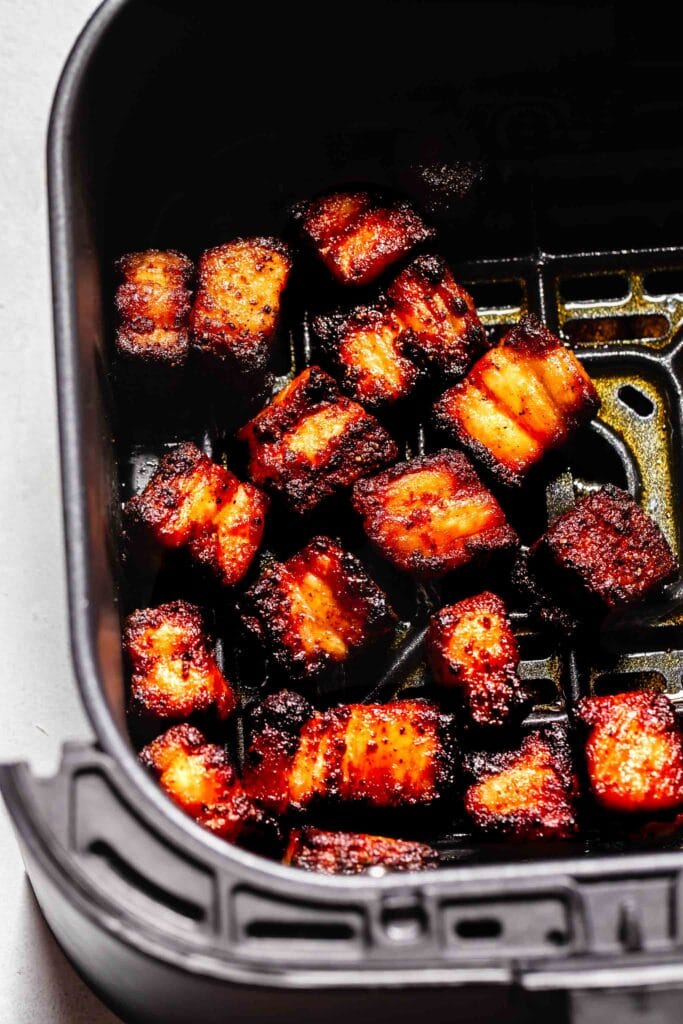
x=358 y=235
x=382 y=755
x=352 y=853
x=192 y=502
x=432 y=515
x=318 y=608
x=311 y=441
x=471 y=648
x=199 y=778
x=366 y=347
x=426 y=319
x=519 y=400
x=174 y=673
x=606 y=548
x=153 y=303
x=525 y=794
x=237 y=306
x=439 y=318
x=634 y=751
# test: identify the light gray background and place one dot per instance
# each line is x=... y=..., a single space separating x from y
x=39 y=703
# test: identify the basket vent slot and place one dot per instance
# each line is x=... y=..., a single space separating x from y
x=664 y=282
x=511 y=927
x=300 y=928
x=594 y=288
x=535 y=646
x=639 y=403
x=496 y=294
x=606 y=329
x=479 y=928
x=143 y=872
x=545 y=691
x=625 y=682
x=127 y=873
x=308 y=931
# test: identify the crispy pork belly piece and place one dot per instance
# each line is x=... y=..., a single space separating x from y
x=352 y=853
x=199 y=777
x=634 y=751
x=174 y=673
x=311 y=441
x=153 y=303
x=525 y=794
x=358 y=235
x=606 y=548
x=399 y=754
x=318 y=608
x=439 y=318
x=236 y=309
x=522 y=398
x=432 y=515
x=426 y=319
x=366 y=346
x=471 y=648
x=192 y=502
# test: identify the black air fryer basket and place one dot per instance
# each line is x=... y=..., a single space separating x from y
x=544 y=141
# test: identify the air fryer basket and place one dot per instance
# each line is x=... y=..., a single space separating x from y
x=183 y=125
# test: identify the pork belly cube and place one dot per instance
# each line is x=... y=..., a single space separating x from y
x=525 y=794
x=317 y=609
x=352 y=853
x=174 y=673
x=192 y=502
x=604 y=548
x=236 y=310
x=472 y=650
x=399 y=754
x=634 y=751
x=522 y=398
x=312 y=441
x=366 y=346
x=358 y=235
x=199 y=778
x=153 y=304
x=432 y=514
x=439 y=318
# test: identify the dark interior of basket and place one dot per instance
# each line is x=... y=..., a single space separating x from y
x=555 y=187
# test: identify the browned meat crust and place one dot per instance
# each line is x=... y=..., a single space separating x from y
x=174 y=673
x=519 y=400
x=426 y=319
x=604 y=547
x=634 y=752
x=192 y=502
x=471 y=647
x=366 y=346
x=236 y=309
x=199 y=778
x=358 y=235
x=399 y=754
x=311 y=441
x=352 y=853
x=318 y=608
x=525 y=794
x=153 y=304
x=439 y=317
x=432 y=515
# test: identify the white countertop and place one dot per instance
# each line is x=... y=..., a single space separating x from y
x=40 y=705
